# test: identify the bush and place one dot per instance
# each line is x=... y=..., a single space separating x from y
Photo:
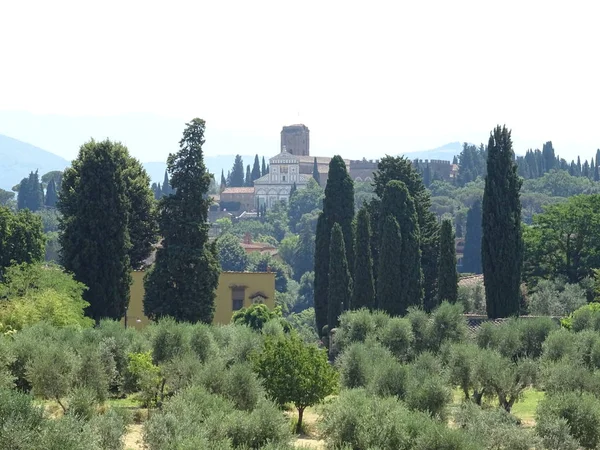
x=83 y=403
x=569 y=376
x=559 y=344
x=448 y=324
x=170 y=339
x=398 y=337
x=92 y=373
x=390 y=378
x=585 y=318
x=555 y=434
x=533 y=333
x=422 y=329
x=556 y=299
x=202 y=342
x=243 y=387
x=110 y=428
x=19 y=420
x=181 y=372
x=357 y=364
x=581 y=412
x=6 y=360
x=357 y=326
x=427 y=390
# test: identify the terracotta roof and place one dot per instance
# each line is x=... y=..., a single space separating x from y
x=238 y=190
x=471 y=280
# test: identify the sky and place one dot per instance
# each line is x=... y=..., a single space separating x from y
x=367 y=78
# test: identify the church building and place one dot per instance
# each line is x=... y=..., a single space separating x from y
x=284 y=172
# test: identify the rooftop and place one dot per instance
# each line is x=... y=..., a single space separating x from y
x=238 y=190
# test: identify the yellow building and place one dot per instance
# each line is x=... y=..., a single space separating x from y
x=236 y=290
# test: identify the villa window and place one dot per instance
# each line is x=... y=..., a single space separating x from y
x=238 y=294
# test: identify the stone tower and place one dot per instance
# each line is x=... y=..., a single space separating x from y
x=296 y=139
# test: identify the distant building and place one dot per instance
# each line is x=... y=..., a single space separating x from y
x=236 y=290
x=284 y=172
x=363 y=170
x=296 y=139
x=242 y=195
x=260 y=247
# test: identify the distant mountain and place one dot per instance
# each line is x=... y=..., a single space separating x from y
x=214 y=164
x=18 y=158
x=445 y=152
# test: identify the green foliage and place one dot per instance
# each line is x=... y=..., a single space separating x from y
x=562 y=240
x=256 y=316
x=427 y=391
x=147 y=377
x=363 y=294
x=404 y=283
x=21 y=238
x=94 y=204
x=338 y=207
x=168 y=340
x=236 y=177
x=295 y=372
x=6 y=197
x=182 y=282
x=581 y=412
x=447 y=275
x=340 y=281
x=448 y=325
x=232 y=256
x=556 y=299
x=502 y=244
x=20 y=420
x=472 y=297
x=304 y=201
x=31 y=193
x=585 y=318
x=264 y=262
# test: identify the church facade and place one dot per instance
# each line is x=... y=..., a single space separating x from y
x=284 y=172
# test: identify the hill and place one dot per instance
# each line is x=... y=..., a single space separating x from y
x=445 y=152
x=18 y=158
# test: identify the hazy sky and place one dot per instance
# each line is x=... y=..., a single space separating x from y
x=409 y=75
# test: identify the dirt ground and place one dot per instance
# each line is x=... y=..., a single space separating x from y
x=133 y=437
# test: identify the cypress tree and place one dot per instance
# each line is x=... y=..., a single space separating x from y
x=293 y=189
x=248 y=180
x=596 y=172
x=256 y=169
x=398 y=203
x=223 y=181
x=51 y=197
x=31 y=193
x=363 y=294
x=263 y=170
x=322 y=269
x=447 y=276
x=94 y=229
x=455 y=160
x=389 y=280
x=472 y=251
x=182 y=282
x=338 y=207
x=237 y=173
x=578 y=173
x=340 y=282
x=316 y=175
x=400 y=168
x=166 y=186
x=502 y=245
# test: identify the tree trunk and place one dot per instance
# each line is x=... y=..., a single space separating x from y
x=61 y=405
x=299 y=424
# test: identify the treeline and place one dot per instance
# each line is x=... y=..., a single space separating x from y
x=237 y=177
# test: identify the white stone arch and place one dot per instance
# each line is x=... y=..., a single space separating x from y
x=359 y=179
x=368 y=179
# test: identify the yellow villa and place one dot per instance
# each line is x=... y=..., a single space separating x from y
x=236 y=290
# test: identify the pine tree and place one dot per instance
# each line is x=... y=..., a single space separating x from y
x=340 y=282
x=363 y=294
x=502 y=244
x=338 y=207
x=398 y=203
x=248 y=179
x=316 y=175
x=223 y=181
x=256 y=169
x=390 y=275
x=51 y=195
x=472 y=250
x=263 y=170
x=184 y=278
x=94 y=229
x=447 y=275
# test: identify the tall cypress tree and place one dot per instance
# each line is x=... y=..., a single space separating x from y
x=398 y=203
x=248 y=179
x=256 y=169
x=363 y=294
x=263 y=170
x=184 y=278
x=596 y=172
x=338 y=207
x=166 y=186
x=223 y=181
x=502 y=244
x=472 y=250
x=447 y=275
x=31 y=193
x=340 y=281
x=389 y=282
x=94 y=229
x=316 y=175
x=400 y=168
x=237 y=173
x=51 y=196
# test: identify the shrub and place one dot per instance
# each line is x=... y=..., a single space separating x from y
x=181 y=371
x=556 y=299
x=448 y=324
x=262 y=425
x=559 y=344
x=243 y=387
x=569 y=376
x=421 y=328
x=390 y=378
x=202 y=342
x=110 y=428
x=461 y=364
x=533 y=333
x=357 y=363
x=66 y=433
x=357 y=326
x=19 y=420
x=6 y=359
x=556 y=434
x=146 y=377
x=92 y=373
x=170 y=339
x=398 y=337
x=585 y=318
x=83 y=403
x=581 y=411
